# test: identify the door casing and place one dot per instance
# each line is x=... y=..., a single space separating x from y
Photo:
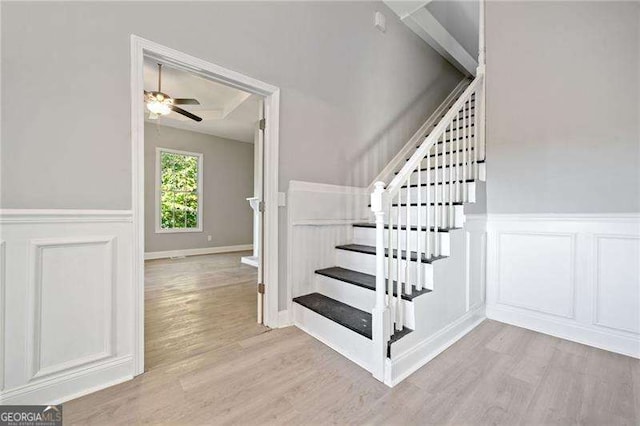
x=140 y=48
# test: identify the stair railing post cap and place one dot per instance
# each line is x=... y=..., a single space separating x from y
x=377 y=197
x=379 y=186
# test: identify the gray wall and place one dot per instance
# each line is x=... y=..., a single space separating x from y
x=350 y=95
x=227 y=182
x=563 y=107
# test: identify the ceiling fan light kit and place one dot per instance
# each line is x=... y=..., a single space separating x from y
x=159 y=103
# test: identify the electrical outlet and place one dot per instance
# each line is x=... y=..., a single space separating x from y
x=208 y=237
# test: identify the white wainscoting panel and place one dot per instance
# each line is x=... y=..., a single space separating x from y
x=320 y=216
x=533 y=266
x=71 y=298
x=68 y=303
x=572 y=276
x=617 y=288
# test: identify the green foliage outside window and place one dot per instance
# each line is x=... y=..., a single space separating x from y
x=178 y=190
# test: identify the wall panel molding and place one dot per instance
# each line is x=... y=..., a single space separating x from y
x=67 y=302
x=319 y=217
x=38 y=249
x=572 y=276
x=3 y=309
x=535 y=287
x=626 y=302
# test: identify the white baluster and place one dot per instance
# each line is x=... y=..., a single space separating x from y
x=436 y=189
x=443 y=212
x=419 y=227
x=451 y=176
x=458 y=134
x=392 y=301
x=465 y=135
x=399 y=313
x=407 y=241
x=475 y=140
x=427 y=248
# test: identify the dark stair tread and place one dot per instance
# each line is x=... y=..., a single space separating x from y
x=471 y=107
x=458 y=118
x=365 y=281
x=397 y=335
x=347 y=316
x=456 y=203
x=457 y=128
x=448 y=151
x=415 y=185
x=402 y=227
x=446 y=166
x=413 y=257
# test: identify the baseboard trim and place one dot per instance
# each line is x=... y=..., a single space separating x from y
x=196 y=252
x=284 y=319
x=609 y=341
x=72 y=385
x=407 y=363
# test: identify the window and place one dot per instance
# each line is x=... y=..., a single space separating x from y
x=178 y=191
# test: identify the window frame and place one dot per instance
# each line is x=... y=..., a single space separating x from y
x=158 y=185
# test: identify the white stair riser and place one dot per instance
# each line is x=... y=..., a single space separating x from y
x=366 y=263
x=367 y=237
x=443 y=174
x=439 y=192
x=350 y=344
x=443 y=222
x=358 y=297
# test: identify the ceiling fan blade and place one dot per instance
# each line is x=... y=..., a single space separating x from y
x=185 y=113
x=185 y=101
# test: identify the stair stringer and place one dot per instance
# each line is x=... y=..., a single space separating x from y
x=442 y=317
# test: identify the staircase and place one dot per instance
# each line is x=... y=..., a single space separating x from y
x=370 y=303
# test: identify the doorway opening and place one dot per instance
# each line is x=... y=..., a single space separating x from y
x=205 y=157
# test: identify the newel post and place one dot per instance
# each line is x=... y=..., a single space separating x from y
x=380 y=315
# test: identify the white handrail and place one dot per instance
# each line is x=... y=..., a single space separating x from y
x=398 y=266
x=430 y=140
x=401 y=156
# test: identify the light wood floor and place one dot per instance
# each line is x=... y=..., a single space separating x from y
x=209 y=363
x=197 y=304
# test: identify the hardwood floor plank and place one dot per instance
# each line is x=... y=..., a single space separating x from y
x=208 y=362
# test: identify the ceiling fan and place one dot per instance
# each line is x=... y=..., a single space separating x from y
x=159 y=103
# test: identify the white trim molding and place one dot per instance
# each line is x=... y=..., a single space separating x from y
x=33 y=216
x=417 y=17
x=319 y=217
x=57 y=266
x=574 y=276
x=424 y=351
x=197 y=251
x=141 y=48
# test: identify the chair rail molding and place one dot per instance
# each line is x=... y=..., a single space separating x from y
x=574 y=276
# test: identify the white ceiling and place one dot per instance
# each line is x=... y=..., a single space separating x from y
x=226 y=112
